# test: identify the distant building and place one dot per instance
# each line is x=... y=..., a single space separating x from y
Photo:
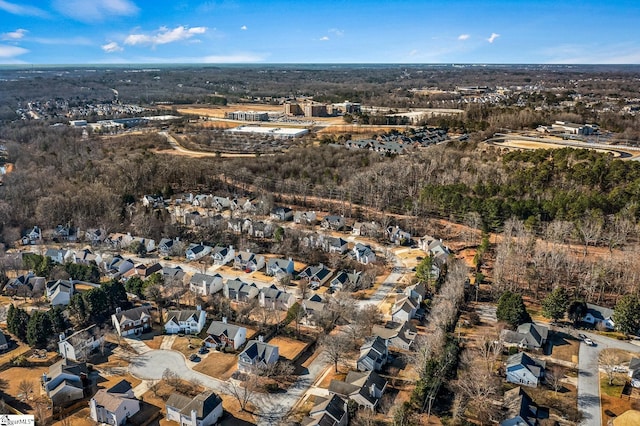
x=247 y=116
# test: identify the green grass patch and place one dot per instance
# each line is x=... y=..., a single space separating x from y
x=614 y=390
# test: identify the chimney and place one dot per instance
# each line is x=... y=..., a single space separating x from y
x=118 y=310
x=372 y=391
x=261 y=338
x=61 y=337
x=224 y=320
x=198 y=307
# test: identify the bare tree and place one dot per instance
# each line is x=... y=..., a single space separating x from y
x=244 y=393
x=481 y=388
x=335 y=348
x=609 y=360
x=589 y=228
x=554 y=376
x=489 y=349
x=41 y=412
x=170 y=377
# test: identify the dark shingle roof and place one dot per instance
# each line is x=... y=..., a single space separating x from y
x=203 y=404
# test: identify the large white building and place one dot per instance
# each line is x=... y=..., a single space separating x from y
x=274 y=132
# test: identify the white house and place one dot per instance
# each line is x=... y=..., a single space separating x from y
x=80 y=344
x=222 y=255
x=398 y=236
x=132 y=321
x=278 y=267
x=188 y=321
x=65 y=382
x=204 y=284
x=197 y=251
x=273 y=298
x=308 y=217
x=248 y=261
x=363 y=253
x=524 y=370
x=221 y=334
x=240 y=291
x=599 y=316
x=59 y=292
x=114 y=406
x=364 y=389
x=257 y=354
x=60 y=256
x=404 y=309
x=203 y=410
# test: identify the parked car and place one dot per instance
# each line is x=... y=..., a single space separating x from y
x=203 y=350
x=582 y=336
x=589 y=342
x=194 y=358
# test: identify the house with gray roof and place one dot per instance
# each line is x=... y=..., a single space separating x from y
x=222 y=255
x=78 y=345
x=203 y=410
x=364 y=388
x=132 y=321
x=316 y=275
x=363 y=253
x=197 y=251
x=59 y=292
x=114 y=406
x=248 y=261
x=4 y=343
x=524 y=370
x=345 y=279
x=527 y=336
x=282 y=214
x=238 y=290
x=599 y=316
x=333 y=222
x=277 y=267
x=65 y=382
x=398 y=236
x=221 y=334
x=400 y=335
x=274 y=298
x=306 y=218
x=373 y=354
x=185 y=321
x=335 y=245
x=205 y=285
x=60 y=256
x=634 y=372
x=520 y=410
x=257 y=355
x=331 y=411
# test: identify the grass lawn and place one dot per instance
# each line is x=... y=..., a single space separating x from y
x=564 y=346
x=15 y=375
x=187 y=345
x=287 y=347
x=217 y=364
x=612 y=401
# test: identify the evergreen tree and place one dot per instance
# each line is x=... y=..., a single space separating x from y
x=58 y=321
x=39 y=329
x=626 y=314
x=135 y=285
x=511 y=309
x=17 y=325
x=78 y=309
x=555 y=304
x=577 y=310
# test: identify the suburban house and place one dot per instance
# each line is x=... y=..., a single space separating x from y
x=364 y=388
x=220 y=203
x=363 y=253
x=65 y=382
x=197 y=251
x=260 y=229
x=60 y=256
x=142 y=271
x=34 y=236
x=417 y=292
x=398 y=236
x=327 y=411
x=203 y=410
x=240 y=291
x=344 y=278
x=373 y=354
x=78 y=345
x=204 y=284
x=63 y=233
x=4 y=343
x=313 y=307
x=400 y=335
x=305 y=218
x=167 y=246
x=152 y=201
x=335 y=245
x=114 y=406
x=222 y=255
x=634 y=372
x=366 y=229
x=248 y=261
x=524 y=370
x=281 y=213
x=333 y=222
x=244 y=204
x=170 y=274
x=118 y=266
x=435 y=248
x=95 y=236
x=59 y=292
x=132 y=321
x=221 y=334
x=278 y=267
x=520 y=409
x=316 y=275
x=26 y=283
x=186 y=321
x=274 y=298
x=257 y=354
x=527 y=336
x=599 y=316
x=404 y=309
x=235 y=224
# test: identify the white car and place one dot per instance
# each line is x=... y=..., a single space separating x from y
x=589 y=342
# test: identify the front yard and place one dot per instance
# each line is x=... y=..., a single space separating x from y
x=289 y=348
x=217 y=364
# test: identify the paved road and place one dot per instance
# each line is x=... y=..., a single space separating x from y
x=589 y=378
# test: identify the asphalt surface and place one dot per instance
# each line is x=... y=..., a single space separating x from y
x=589 y=377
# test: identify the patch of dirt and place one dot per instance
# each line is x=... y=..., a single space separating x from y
x=217 y=364
x=287 y=347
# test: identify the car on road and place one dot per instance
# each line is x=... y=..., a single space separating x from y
x=582 y=336
x=589 y=342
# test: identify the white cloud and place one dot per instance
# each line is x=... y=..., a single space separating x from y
x=76 y=41
x=493 y=37
x=95 y=10
x=11 y=51
x=325 y=38
x=243 y=28
x=17 y=9
x=337 y=32
x=463 y=37
x=14 y=35
x=112 y=47
x=414 y=52
x=164 y=35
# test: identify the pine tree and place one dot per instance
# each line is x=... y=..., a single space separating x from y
x=626 y=314
x=511 y=309
x=555 y=304
x=39 y=329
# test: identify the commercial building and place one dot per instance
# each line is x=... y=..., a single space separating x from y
x=274 y=132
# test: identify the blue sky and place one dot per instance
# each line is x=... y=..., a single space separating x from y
x=310 y=31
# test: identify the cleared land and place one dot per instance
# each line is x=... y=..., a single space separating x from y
x=217 y=364
x=287 y=347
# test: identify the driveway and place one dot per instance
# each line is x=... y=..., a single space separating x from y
x=589 y=377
